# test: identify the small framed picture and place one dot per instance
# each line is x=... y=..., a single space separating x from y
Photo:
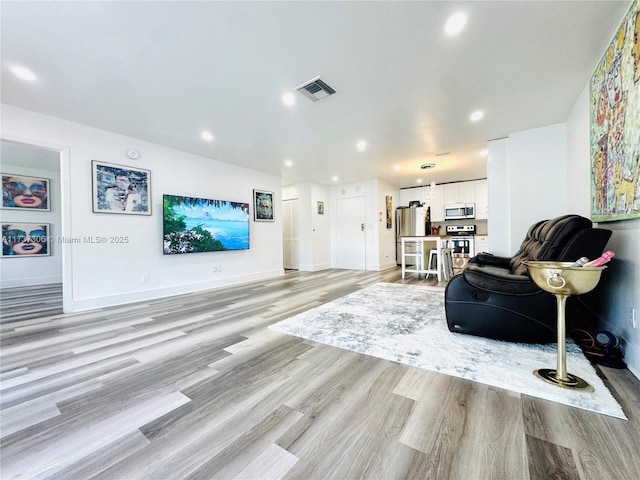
x=320 y=208
x=263 y=206
x=21 y=240
x=22 y=192
x=121 y=189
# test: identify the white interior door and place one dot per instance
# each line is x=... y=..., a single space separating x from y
x=350 y=233
x=291 y=234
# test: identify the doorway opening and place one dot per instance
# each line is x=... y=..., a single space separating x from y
x=36 y=285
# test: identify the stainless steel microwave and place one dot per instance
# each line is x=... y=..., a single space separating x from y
x=459 y=211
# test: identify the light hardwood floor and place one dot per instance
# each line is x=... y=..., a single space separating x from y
x=195 y=386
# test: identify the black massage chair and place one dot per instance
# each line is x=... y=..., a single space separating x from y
x=495 y=297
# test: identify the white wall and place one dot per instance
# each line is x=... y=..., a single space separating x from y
x=499 y=193
x=387 y=236
x=108 y=274
x=20 y=271
x=537 y=177
x=534 y=162
x=619 y=290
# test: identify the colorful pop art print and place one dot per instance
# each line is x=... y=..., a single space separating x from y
x=615 y=125
x=23 y=192
x=22 y=240
x=121 y=189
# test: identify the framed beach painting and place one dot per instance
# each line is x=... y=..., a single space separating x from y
x=21 y=240
x=615 y=125
x=23 y=192
x=263 y=206
x=121 y=189
x=194 y=224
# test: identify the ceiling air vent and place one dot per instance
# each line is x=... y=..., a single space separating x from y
x=316 y=89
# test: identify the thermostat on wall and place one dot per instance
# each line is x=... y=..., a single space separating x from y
x=133 y=154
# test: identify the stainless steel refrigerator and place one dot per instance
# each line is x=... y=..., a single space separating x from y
x=411 y=222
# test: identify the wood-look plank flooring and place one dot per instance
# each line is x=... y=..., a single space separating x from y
x=21 y=303
x=196 y=387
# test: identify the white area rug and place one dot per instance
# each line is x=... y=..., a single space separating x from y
x=406 y=324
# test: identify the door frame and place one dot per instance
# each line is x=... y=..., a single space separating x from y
x=65 y=211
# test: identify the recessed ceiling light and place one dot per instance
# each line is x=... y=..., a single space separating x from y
x=477 y=115
x=288 y=99
x=361 y=145
x=455 y=24
x=397 y=168
x=288 y=162
x=419 y=180
x=334 y=178
x=208 y=136
x=23 y=73
x=484 y=152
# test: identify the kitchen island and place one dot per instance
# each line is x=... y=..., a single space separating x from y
x=414 y=248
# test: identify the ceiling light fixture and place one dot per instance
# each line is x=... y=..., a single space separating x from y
x=208 y=136
x=24 y=73
x=455 y=23
x=361 y=145
x=288 y=162
x=397 y=168
x=288 y=99
x=431 y=189
x=484 y=152
x=477 y=115
x=334 y=178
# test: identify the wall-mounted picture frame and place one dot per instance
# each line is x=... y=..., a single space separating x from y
x=388 y=200
x=120 y=189
x=21 y=240
x=614 y=125
x=263 y=206
x=24 y=192
x=193 y=224
x=320 y=208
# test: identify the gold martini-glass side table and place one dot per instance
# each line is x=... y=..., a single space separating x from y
x=563 y=280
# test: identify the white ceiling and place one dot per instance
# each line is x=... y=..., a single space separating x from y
x=165 y=71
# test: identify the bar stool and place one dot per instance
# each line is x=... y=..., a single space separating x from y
x=445 y=261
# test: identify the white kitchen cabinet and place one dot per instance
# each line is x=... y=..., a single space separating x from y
x=410 y=194
x=459 y=192
x=481 y=199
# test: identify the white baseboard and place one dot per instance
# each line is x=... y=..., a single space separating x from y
x=314 y=267
x=388 y=265
x=79 y=305
x=28 y=282
x=379 y=267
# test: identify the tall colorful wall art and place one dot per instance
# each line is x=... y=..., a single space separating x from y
x=615 y=125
